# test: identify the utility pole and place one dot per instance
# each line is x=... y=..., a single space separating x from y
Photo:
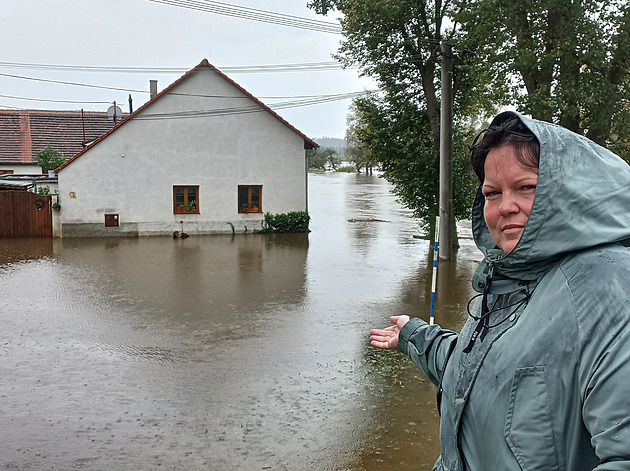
x=445 y=211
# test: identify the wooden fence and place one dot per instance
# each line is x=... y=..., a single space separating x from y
x=25 y=214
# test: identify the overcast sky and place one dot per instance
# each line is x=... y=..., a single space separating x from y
x=145 y=34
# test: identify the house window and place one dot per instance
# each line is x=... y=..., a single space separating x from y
x=250 y=198
x=186 y=199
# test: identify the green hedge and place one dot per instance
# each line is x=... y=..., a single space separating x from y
x=294 y=221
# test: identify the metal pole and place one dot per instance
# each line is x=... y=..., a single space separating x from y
x=306 y=181
x=446 y=154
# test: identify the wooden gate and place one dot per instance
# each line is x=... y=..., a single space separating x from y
x=25 y=214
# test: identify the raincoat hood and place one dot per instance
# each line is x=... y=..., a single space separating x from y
x=582 y=200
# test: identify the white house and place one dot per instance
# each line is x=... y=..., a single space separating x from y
x=204 y=152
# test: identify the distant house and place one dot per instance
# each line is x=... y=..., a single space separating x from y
x=203 y=154
x=23 y=133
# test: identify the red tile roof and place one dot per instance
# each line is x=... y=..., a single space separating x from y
x=308 y=143
x=23 y=133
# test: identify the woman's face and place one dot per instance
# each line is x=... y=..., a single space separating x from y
x=509 y=188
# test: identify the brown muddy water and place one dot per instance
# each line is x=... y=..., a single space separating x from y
x=225 y=352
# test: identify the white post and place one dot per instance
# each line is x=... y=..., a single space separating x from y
x=436 y=245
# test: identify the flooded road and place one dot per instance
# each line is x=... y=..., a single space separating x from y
x=225 y=352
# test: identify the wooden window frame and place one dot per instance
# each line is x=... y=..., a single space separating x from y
x=180 y=209
x=242 y=206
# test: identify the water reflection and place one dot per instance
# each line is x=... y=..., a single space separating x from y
x=222 y=352
x=192 y=275
x=17 y=250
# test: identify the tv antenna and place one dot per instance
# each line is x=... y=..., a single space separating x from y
x=115 y=113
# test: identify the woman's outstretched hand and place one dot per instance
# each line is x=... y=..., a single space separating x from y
x=388 y=337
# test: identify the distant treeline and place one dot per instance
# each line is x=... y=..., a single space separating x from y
x=333 y=142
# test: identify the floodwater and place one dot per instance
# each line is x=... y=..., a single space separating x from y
x=225 y=352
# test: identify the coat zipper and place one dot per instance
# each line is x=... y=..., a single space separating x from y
x=484 y=321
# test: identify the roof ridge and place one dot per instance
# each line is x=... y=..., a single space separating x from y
x=61 y=112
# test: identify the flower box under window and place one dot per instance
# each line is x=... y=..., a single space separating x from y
x=186 y=199
x=250 y=199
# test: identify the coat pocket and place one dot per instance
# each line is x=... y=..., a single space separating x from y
x=529 y=428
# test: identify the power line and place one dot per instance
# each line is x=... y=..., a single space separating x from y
x=126 y=90
x=306 y=66
x=254 y=108
x=90 y=68
x=254 y=14
x=221 y=8
x=76 y=84
x=11 y=107
x=299 y=101
x=299 y=67
x=55 y=101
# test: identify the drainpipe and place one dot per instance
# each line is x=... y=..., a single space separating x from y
x=130 y=104
x=306 y=178
x=152 y=88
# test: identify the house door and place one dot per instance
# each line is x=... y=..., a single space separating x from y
x=25 y=214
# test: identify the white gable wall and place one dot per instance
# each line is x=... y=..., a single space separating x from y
x=132 y=171
x=21 y=169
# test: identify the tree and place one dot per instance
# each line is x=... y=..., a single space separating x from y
x=357 y=152
x=49 y=159
x=567 y=61
x=400 y=135
x=398 y=43
x=323 y=157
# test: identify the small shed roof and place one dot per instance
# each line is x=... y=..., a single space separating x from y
x=14 y=181
x=15 y=184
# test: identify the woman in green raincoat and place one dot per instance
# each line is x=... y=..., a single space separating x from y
x=539 y=376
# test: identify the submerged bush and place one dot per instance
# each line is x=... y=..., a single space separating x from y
x=294 y=221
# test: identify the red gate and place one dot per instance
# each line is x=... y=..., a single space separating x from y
x=25 y=214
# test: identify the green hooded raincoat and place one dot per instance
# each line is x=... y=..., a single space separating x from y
x=548 y=385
